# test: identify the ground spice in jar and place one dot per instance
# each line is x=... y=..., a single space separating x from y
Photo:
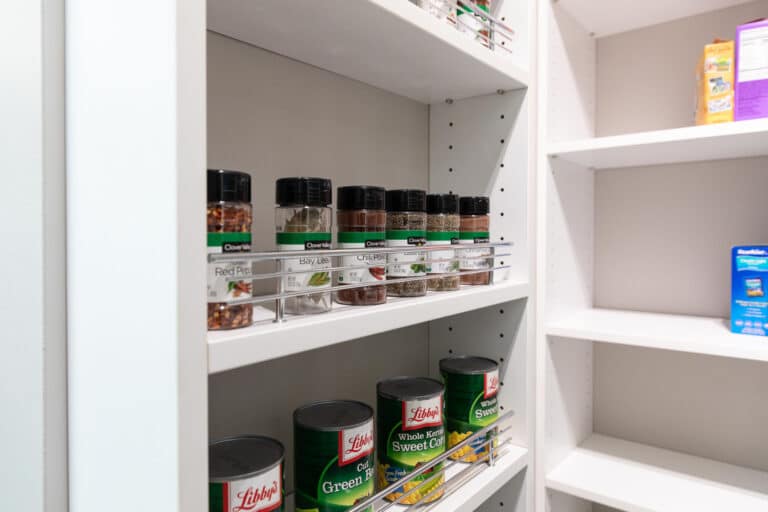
x=362 y=223
x=229 y=231
x=475 y=226
x=406 y=227
x=303 y=223
x=443 y=229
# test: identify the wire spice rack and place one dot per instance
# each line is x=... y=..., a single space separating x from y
x=486 y=253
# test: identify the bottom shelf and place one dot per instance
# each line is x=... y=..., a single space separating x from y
x=476 y=491
x=636 y=477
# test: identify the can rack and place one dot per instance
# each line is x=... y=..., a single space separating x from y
x=494 y=250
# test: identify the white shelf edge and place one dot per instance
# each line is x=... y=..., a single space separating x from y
x=680 y=333
x=640 y=478
x=348 y=31
x=262 y=342
x=742 y=139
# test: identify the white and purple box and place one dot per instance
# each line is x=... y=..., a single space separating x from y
x=752 y=71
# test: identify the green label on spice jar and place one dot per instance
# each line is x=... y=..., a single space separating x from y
x=376 y=263
x=335 y=470
x=471 y=404
x=317 y=276
x=407 y=264
x=474 y=237
x=410 y=433
x=220 y=289
x=261 y=493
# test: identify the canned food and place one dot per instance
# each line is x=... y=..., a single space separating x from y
x=411 y=432
x=471 y=402
x=334 y=465
x=245 y=473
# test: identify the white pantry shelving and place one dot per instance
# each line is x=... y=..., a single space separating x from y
x=640 y=478
x=693 y=144
x=393 y=45
x=267 y=340
x=697 y=335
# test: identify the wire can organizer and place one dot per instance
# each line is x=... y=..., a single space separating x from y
x=492 y=251
x=495 y=440
x=484 y=26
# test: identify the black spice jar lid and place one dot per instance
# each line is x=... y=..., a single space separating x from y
x=406 y=200
x=303 y=192
x=332 y=415
x=240 y=457
x=442 y=203
x=226 y=185
x=409 y=388
x=360 y=198
x=479 y=205
x=468 y=365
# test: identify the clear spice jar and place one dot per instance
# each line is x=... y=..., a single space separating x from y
x=303 y=223
x=473 y=25
x=443 y=229
x=475 y=226
x=407 y=228
x=229 y=231
x=362 y=223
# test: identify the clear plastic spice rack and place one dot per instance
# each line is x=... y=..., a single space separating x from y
x=497 y=435
x=490 y=28
x=495 y=250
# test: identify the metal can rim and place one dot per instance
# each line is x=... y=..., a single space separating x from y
x=296 y=422
x=272 y=465
x=470 y=372
x=390 y=396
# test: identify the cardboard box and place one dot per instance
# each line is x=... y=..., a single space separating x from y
x=749 y=290
x=715 y=73
x=752 y=71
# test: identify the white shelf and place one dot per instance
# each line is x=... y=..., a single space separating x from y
x=606 y=17
x=693 y=144
x=390 y=44
x=267 y=340
x=699 y=335
x=635 y=477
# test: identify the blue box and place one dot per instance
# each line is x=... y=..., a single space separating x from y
x=749 y=290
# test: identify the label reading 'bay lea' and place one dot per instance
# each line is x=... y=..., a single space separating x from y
x=317 y=276
x=261 y=493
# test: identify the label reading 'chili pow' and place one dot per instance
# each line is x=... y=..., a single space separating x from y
x=261 y=493
x=220 y=289
x=375 y=263
x=345 y=479
x=317 y=276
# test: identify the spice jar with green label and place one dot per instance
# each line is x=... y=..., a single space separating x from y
x=303 y=223
x=229 y=231
x=475 y=226
x=407 y=228
x=443 y=229
x=362 y=224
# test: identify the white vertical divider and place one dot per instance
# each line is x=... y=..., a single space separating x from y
x=565 y=248
x=136 y=220
x=33 y=392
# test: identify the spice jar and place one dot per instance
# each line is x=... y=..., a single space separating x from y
x=443 y=229
x=362 y=224
x=473 y=25
x=229 y=231
x=475 y=227
x=406 y=227
x=303 y=223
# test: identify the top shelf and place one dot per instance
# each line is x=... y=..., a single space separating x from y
x=608 y=17
x=693 y=144
x=390 y=44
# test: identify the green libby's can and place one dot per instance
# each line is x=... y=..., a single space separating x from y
x=333 y=459
x=245 y=473
x=471 y=401
x=411 y=432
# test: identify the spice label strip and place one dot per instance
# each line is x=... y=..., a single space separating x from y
x=471 y=238
x=443 y=238
x=407 y=264
x=376 y=262
x=219 y=289
x=317 y=275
